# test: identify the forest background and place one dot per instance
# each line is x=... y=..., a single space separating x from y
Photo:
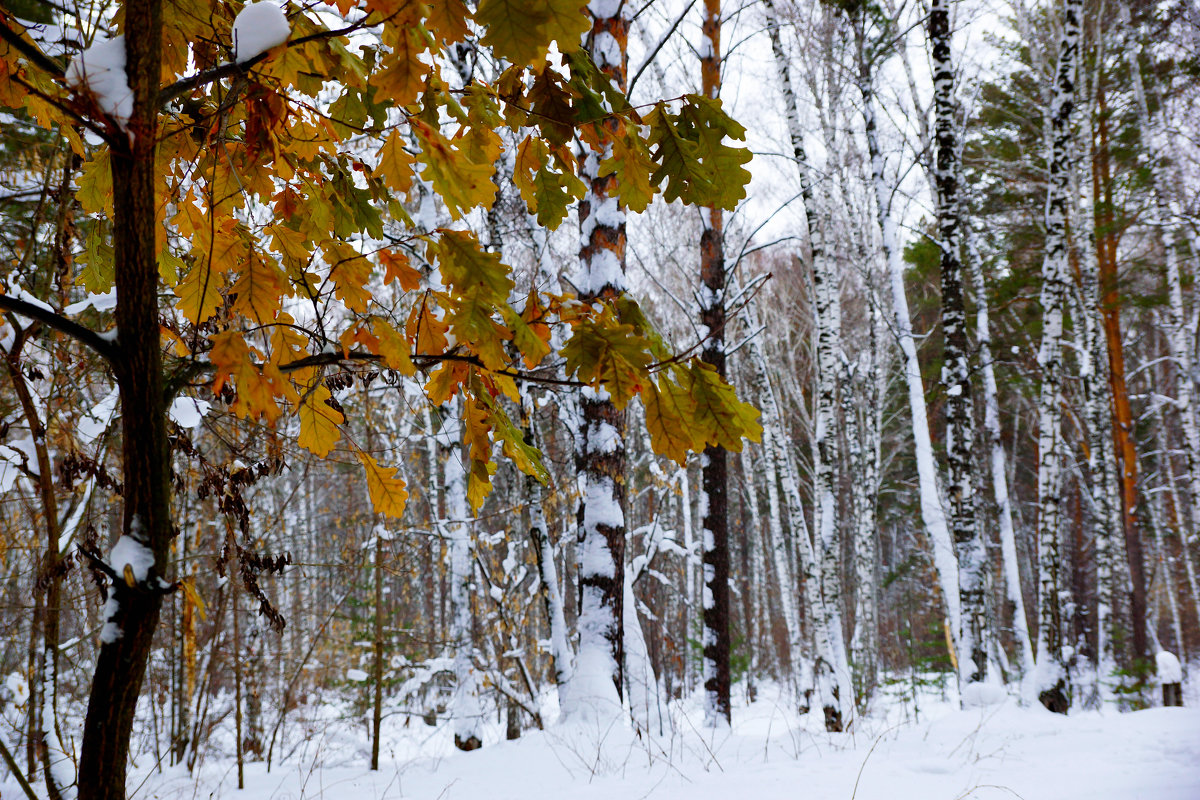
x=459 y=362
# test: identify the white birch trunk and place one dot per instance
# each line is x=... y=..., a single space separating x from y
x=825 y=450
x=998 y=459
x=1050 y=681
x=465 y=710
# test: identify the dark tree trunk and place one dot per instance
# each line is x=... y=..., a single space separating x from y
x=715 y=536
x=121 y=664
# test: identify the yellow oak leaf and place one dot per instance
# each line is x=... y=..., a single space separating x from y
x=396 y=267
x=319 y=422
x=388 y=493
x=260 y=290
x=233 y=359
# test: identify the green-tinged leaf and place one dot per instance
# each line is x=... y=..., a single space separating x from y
x=720 y=418
x=96 y=261
x=464 y=264
x=606 y=353
x=462 y=183
x=95 y=193
x=669 y=410
x=630 y=161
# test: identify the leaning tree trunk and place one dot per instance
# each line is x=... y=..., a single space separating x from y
x=956 y=369
x=598 y=679
x=828 y=322
x=933 y=514
x=1051 y=680
x=998 y=458
x=715 y=532
x=131 y=613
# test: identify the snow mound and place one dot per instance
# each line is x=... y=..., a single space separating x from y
x=980 y=695
x=356 y=675
x=1169 y=670
x=258 y=28
x=100 y=70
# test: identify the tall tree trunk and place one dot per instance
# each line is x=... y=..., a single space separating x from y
x=43 y=692
x=1160 y=218
x=598 y=679
x=715 y=534
x=832 y=665
x=465 y=710
x=998 y=459
x=1093 y=368
x=956 y=369
x=543 y=549
x=1123 y=441
x=1051 y=683
x=131 y=613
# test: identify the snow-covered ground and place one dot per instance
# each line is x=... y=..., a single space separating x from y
x=1002 y=751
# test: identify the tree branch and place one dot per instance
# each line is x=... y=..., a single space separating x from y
x=60 y=323
x=189 y=84
x=28 y=49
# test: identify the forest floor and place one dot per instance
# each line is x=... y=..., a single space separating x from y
x=934 y=752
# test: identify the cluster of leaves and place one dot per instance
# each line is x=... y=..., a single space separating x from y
x=287 y=245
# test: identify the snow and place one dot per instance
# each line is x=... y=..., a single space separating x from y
x=1169 y=670
x=600 y=508
x=100 y=70
x=129 y=552
x=100 y=302
x=111 y=630
x=356 y=675
x=997 y=753
x=187 y=412
x=258 y=28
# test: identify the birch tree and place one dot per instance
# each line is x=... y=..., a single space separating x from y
x=714 y=470
x=1050 y=682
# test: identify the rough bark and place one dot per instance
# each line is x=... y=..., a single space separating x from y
x=121 y=663
x=715 y=534
x=600 y=453
x=956 y=369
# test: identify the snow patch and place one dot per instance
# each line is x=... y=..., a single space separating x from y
x=1169 y=670
x=187 y=412
x=100 y=71
x=129 y=552
x=100 y=302
x=258 y=28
